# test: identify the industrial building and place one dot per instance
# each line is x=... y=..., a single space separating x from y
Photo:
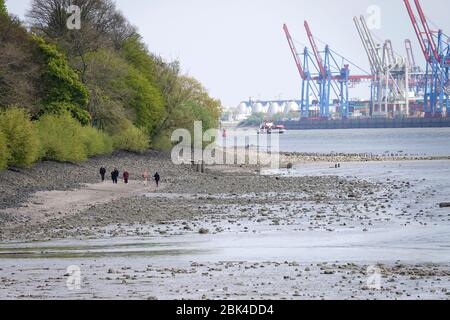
x=399 y=87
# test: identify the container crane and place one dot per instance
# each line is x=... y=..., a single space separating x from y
x=333 y=78
x=389 y=86
x=324 y=79
x=328 y=80
x=303 y=69
x=436 y=50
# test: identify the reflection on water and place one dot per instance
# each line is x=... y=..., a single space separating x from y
x=95 y=249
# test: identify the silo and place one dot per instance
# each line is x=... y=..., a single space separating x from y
x=274 y=108
x=242 y=109
x=257 y=108
x=291 y=107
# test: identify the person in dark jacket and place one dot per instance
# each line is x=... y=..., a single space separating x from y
x=126 y=176
x=115 y=176
x=103 y=173
x=157 y=179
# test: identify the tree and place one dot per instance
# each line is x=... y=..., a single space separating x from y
x=63 y=89
x=191 y=103
x=120 y=91
x=3 y=10
x=20 y=68
x=102 y=26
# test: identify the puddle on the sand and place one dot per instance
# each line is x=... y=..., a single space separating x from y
x=411 y=244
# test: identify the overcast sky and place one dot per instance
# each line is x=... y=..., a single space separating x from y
x=237 y=49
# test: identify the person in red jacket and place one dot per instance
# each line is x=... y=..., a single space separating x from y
x=126 y=176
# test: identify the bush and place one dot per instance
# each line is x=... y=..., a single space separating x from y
x=4 y=152
x=21 y=137
x=64 y=139
x=96 y=142
x=162 y=142
x=253 y=121
x=61 y=107
x=131 y=139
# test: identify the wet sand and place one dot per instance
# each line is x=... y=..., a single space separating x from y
x=232 y=233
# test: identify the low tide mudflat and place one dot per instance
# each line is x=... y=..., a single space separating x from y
x=308 y=233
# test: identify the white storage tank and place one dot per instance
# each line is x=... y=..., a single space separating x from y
x=291 y=107
x=242 y=108
x=274 y=108
x=257 y=108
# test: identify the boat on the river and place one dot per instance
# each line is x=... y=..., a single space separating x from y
x=271 y=128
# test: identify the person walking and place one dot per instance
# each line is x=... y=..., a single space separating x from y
x=103 y=173
x=157 y=179
x=115 y=176
x=145 y=176
x=126 y=176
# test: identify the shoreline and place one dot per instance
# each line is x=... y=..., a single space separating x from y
x=63 y=200
x=202 y=230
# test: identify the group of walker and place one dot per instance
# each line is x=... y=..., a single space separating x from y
x=126 y=176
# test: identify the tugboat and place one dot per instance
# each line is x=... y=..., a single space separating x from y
x=270 y=128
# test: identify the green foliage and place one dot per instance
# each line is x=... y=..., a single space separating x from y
x=102 y=76
x=62 y=83
x=194 y=105
x=257 y=119
x=131 y=139
x=4 y=152
x=96 y=142
x=21 y=137
x=64 y=139
x=136 y=54
x=3 y=10
x=145 y=100
x=76 y=112
x=253 y=120
x=162 y=141
x=119 y=91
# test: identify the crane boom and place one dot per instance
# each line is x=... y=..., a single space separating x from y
x=390 y=51
x=418 y=31
x=372 y=46
x=294 y=52
x=427 y=29
x=365 y=44
x=410 y=54
x=315 y=50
